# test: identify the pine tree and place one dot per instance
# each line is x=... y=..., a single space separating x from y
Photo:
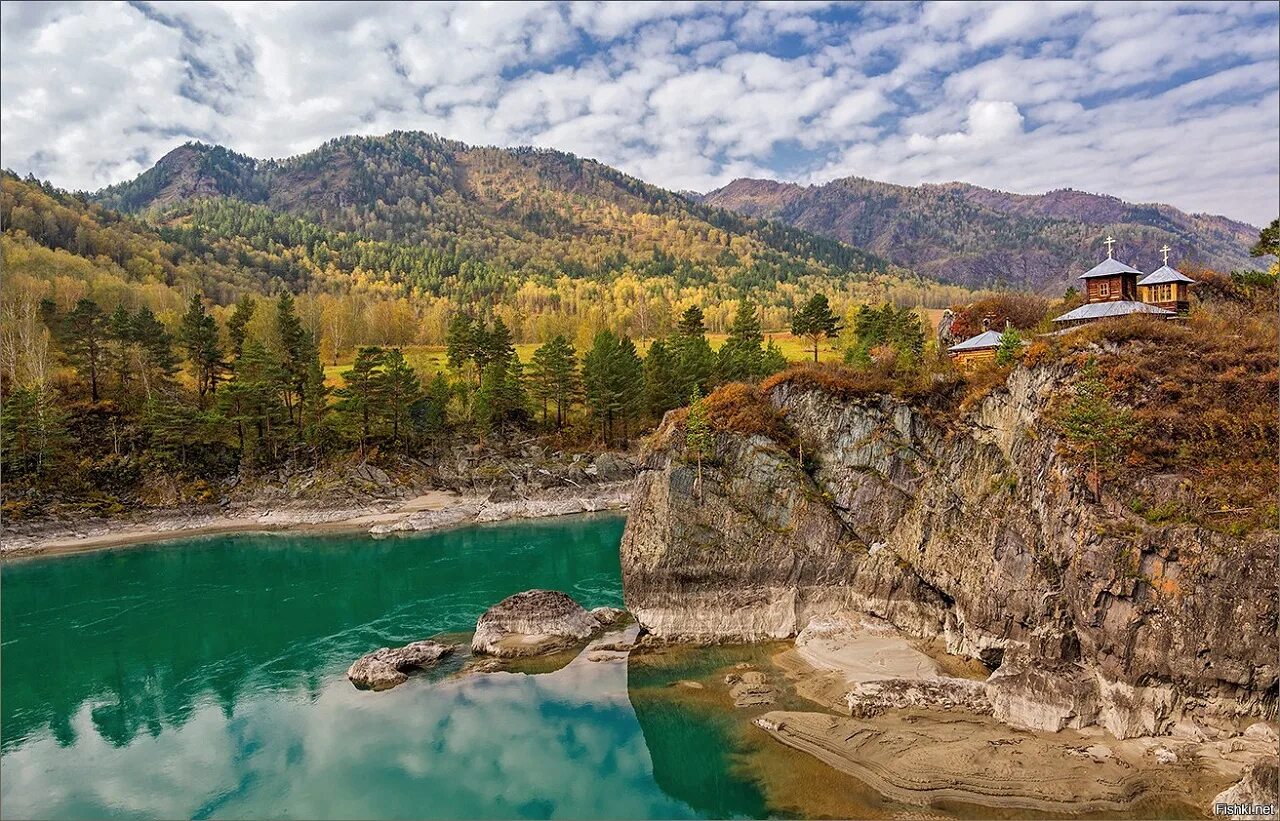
x=1094 y=424
x=815 y=321
x=661 y=387
x=253 y=400
x=554 y=377
x=742 y=355
x=774 y=360
x=120 y=332
x=297 y=349
x=359 y=395
x=198 y=335
x=158 y=363
x=500 y=399
x=237 y=325
x=400 y=389
x=86 y=335
x=598 y=381
x=1010 y=349
x=694 y=360
x=698 y=439
x=429 y=415
x=33 y=430
x=628 y=377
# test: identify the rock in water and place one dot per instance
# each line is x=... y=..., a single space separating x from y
x=532 y=623
x=385 y=668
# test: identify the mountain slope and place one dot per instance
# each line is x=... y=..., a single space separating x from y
x=524 y=211
x=978 y=236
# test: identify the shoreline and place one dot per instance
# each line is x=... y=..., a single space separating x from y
x=433 y=510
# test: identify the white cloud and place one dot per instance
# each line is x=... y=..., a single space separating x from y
x=1173 y=102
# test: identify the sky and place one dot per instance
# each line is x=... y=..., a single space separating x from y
x=1169 y=102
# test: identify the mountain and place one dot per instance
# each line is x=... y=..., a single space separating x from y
x=523 y=211
x=977 y=236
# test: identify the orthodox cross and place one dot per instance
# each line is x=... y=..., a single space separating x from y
x=1165 y=250
x=1109 y=241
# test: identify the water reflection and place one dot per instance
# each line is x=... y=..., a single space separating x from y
x=206 y=681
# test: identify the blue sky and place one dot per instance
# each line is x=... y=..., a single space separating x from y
x=1171 y=102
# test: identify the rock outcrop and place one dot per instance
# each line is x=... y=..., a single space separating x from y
x=964 y=527
x=1256 y=795
x=533 y=623
x=387 y=667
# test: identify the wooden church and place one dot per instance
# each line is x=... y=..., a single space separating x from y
x=1111 y=288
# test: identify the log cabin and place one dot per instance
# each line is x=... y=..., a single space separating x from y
x=1111 y=289
x=1166 y=288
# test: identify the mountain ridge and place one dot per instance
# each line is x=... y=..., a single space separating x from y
x=965 y=233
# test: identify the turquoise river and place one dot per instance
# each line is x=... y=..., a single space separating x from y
x=205 y=679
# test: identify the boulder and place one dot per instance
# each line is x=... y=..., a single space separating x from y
x=1258 y=790
x=608 y=615
x=532 y=623
x=387 y=667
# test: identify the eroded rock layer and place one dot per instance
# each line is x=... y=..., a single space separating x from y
x=964 y=527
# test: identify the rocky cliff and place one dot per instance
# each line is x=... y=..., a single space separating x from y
x=965 y=527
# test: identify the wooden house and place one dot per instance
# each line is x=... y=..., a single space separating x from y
x=1111 y=289
x=975 y=349
x=1166 y=288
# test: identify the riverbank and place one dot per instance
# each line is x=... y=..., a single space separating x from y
x=431 y=510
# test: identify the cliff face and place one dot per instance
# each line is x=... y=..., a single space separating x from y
x=968 y=529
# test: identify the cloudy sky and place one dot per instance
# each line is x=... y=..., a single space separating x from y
x=1173 y=102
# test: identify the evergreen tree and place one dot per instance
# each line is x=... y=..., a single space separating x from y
x=698 y=439
x=297 y=349
x=1010 y=349
x=613 y=380
x=815 y=321
x=694 y=360
x=500 y=399
x=120 y=332
x=86 y=335
x=400 y=389
x=1095 y=425
x=237 y=325
x=158 y=363
x=774 y=360
x=554 y=376
x=742 y=355
x=461 y=341
x=33 y=430
x=358 y=397
x=198 y=336
x=661 y=387
x=429 y=415
x=253 y=401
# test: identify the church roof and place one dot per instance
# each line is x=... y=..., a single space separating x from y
x=1101 y=310
x=1109 y=267
x=1164 y=274
x=986 y=339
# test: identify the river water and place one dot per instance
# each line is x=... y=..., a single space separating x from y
x=206 y=679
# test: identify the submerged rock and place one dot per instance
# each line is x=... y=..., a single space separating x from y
x=750 y=689
x=533 y=623
x=387 y=667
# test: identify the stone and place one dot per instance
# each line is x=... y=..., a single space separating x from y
x=966 y=527
x=608 y=615
x=387 y=667
x=1164 y=755
x=870 y=698
x=1259 y=788
x=531 y=623
x=750 y=688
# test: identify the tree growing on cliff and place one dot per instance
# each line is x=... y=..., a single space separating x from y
x=698 y=441
x=1094 y=426
x=815 y=321
x=1010 y=348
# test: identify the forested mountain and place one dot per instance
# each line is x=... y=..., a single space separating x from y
x=977 y=236
x=523 y=211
